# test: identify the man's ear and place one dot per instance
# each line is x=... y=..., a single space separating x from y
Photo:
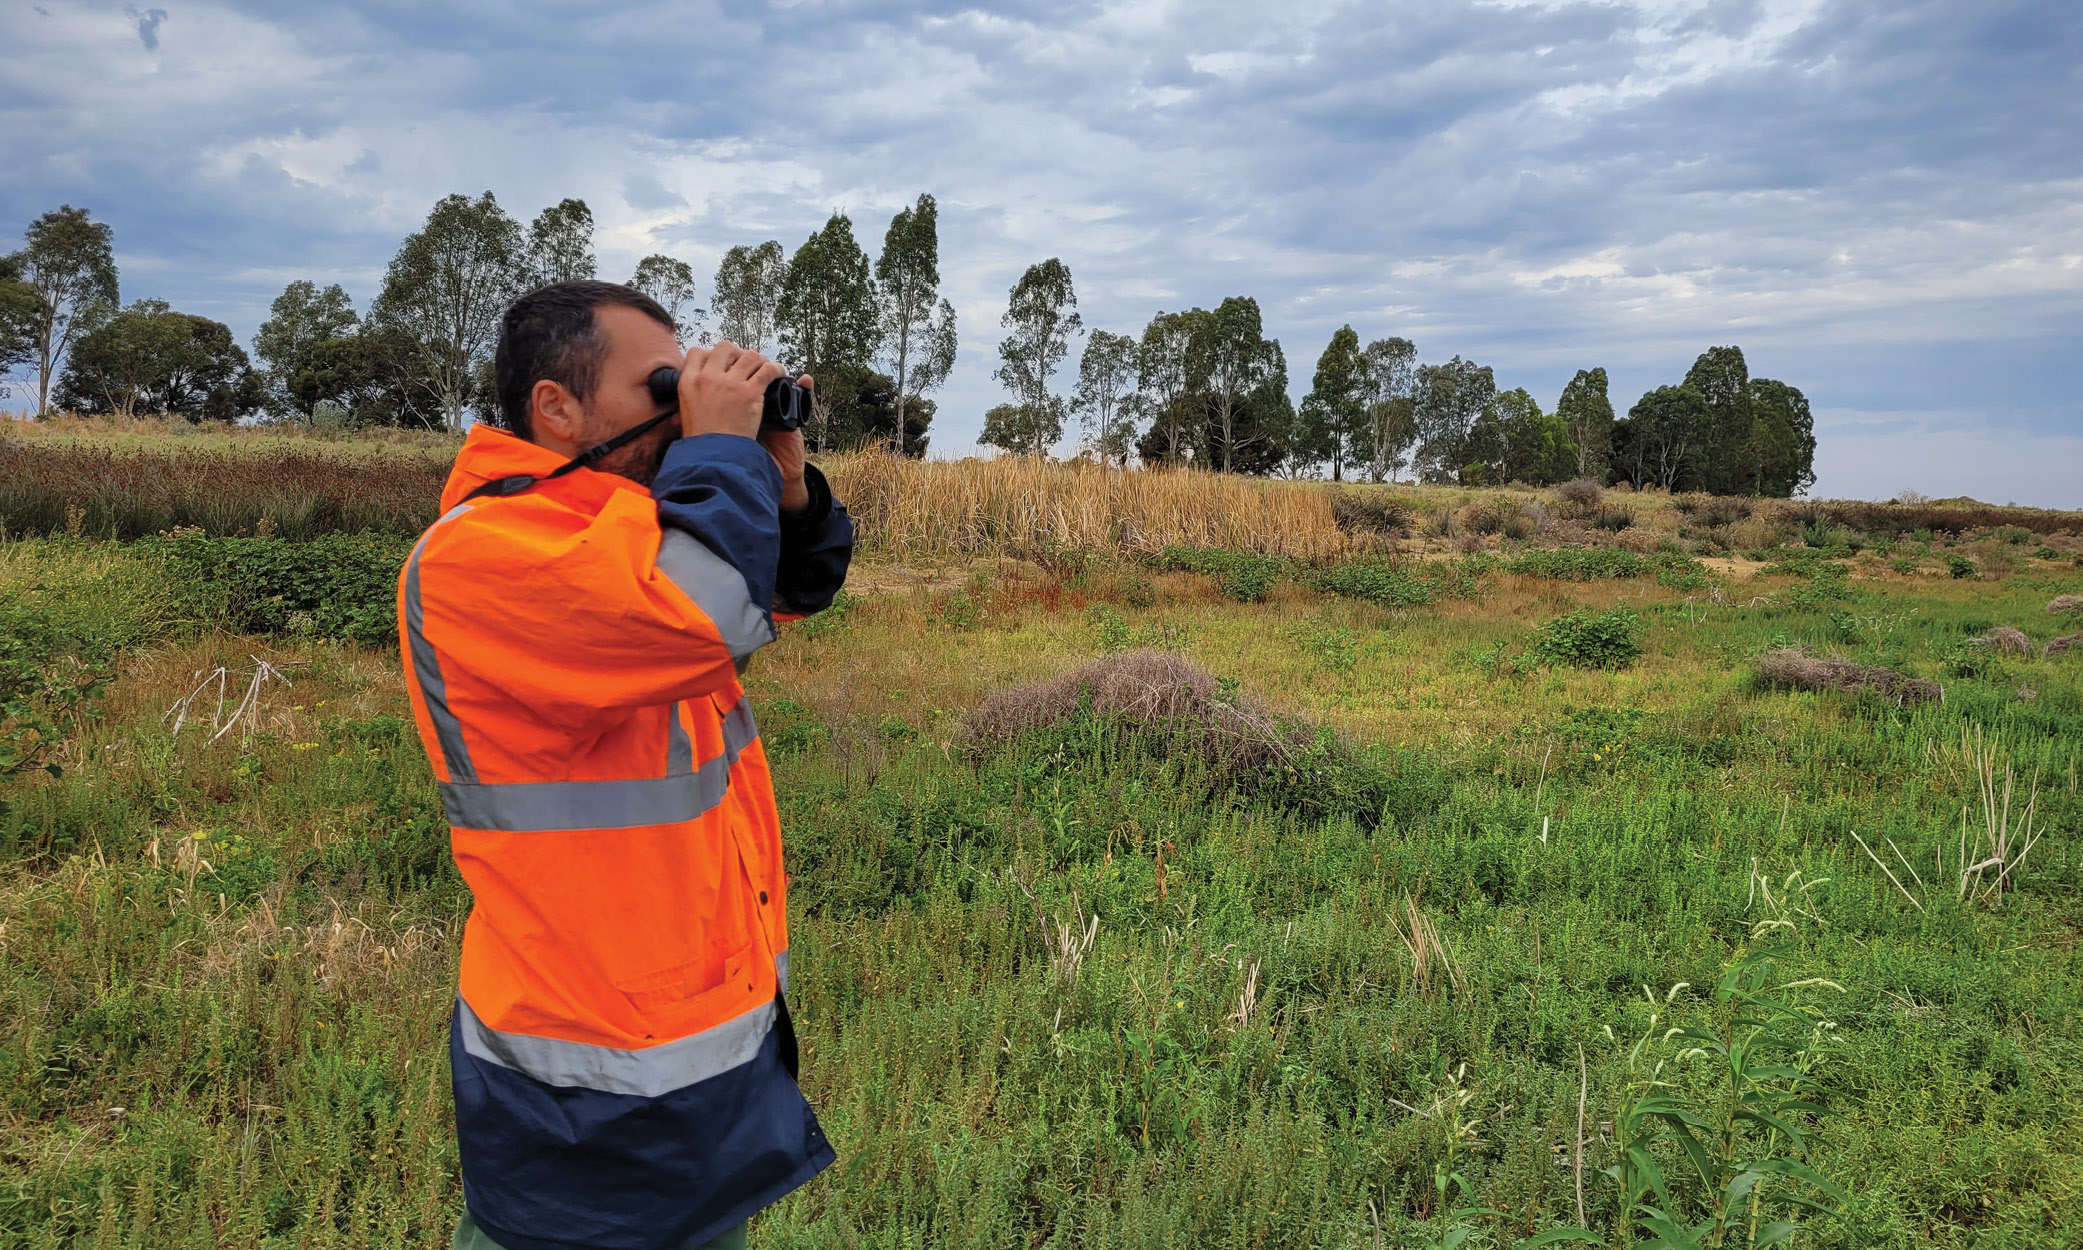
x=557 y=412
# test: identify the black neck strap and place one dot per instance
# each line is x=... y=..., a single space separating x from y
x=584 y=460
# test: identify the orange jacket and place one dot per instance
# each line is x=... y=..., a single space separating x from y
x=623 y=1059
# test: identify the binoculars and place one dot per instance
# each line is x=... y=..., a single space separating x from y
x=785 y=406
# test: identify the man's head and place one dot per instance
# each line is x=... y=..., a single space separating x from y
x=571 y=371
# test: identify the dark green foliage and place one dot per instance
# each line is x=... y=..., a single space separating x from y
x=1960 y=566
x=1389 y=583
x=1245 y=576
x=1588 y=639
x=341 y=586
x=49 y=675
x=149 y=358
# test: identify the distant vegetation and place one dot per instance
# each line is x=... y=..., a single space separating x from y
x=1200 y=386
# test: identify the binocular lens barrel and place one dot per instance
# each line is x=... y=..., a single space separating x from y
x=785 y=406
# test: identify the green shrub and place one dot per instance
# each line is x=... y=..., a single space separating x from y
x=48 y=676
x=1959 y=565
x=1613 y=519
x=1245 y=576
x=1585 y=564
x=1385 y=582
x=1588 y=639
x=333 y=586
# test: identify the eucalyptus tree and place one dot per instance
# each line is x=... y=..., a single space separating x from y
x=1663 y=434
x=1041 y=313
x=300 y=322
x=1388 y=417
x=748 y=294
x=1238 y=359
x=68 y=265
x=1449 y=399
x=444 y=293
x=828 y=318
x=1588 y=414
x=1722 y=457
x=1166 y=379
x=1783 y=452
x=1336 y=403
x=671 y=283
x=918 y=327
x=150 y=358
x=560 y=245
x=1105 y=400
x=18 y=314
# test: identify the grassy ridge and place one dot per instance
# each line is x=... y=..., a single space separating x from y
x=225 y=967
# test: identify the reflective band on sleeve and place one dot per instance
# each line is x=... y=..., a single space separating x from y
x=718 y=590
x=426 y=666
x=781 y=971
x=552 y=806
x=645 y=1073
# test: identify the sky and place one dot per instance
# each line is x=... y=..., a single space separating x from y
x=1880 y=201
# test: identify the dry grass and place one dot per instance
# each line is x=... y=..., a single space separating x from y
x=2066 y=605
x=1018 y=503
x=2067 y=642
x=1790 y=667
x=2005 y=640
x=1153 y=689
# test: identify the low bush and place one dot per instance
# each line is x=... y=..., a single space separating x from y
x=1586 y=639
x=1960 y=566
x=1245 y=576
x=50 y=676
x=2066 y=605
x=1370 y=512
x=1586 y=564
x=334 y=586
x=1391 y=584
x=2005 y=640
x=1580 y=494
x=1612 y=520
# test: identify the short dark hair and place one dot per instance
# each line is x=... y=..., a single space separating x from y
x=551 y=333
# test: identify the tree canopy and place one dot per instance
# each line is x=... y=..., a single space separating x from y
x=1041 y=315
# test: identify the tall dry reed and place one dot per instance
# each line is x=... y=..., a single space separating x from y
x=964 y=507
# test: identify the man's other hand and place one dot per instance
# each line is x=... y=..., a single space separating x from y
x=721 y=389
x=786 y=446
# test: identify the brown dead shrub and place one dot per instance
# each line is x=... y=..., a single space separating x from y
x=2066 y=605
x=1790 y=667
x=2004 y=640
x=1155 y=690
x=2067 y=642
x=1580 y=496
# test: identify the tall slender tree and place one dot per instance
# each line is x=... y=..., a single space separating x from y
x=1165 y=383
x=445 y=291
x=301 y=319
x=748 y=294
x=69 y=265
x=1449 y=399
x=827 y=317
x=1105 y=400
x=1239 y=359
x=918 y=327
x=1783 y=451
x=671 y=283
x=560 y=245
x=1588 y=413
x=1041 y=313
x=1336 y=403
x=1388 y=424
x=1724 y=452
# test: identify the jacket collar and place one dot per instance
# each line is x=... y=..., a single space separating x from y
x=490 y=453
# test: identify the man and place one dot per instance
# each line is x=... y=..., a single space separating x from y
x=624 y=1065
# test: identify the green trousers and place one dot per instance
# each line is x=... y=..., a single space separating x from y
x=470 y=1237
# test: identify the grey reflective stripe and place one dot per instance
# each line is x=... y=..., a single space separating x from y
x=550 y=806
x=448 y=731
x=718 y=590
x=781 y=971
x=646 y=1073
x=679 y=748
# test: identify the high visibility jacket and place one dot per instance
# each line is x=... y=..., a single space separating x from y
x=623 y=1060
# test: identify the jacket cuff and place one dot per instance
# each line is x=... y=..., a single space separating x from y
x=815 y=513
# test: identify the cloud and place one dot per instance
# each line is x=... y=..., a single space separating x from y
x=147 y=26
x=1841 y=186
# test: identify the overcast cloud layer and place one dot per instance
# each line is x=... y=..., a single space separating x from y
x=1882 y=202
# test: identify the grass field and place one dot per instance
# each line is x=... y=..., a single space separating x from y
x=1095 y=985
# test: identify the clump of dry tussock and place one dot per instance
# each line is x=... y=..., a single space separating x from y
x=963 y=507
x=2066 y=605
x=1156 y=690
x=2067 y=642
x=2005 y=640
x=1790 y=667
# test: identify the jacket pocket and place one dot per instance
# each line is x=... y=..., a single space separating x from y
x=690 y=994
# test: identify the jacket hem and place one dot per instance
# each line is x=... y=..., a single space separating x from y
x=820 y=1159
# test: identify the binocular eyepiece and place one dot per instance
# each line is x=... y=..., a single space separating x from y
x=785 y=406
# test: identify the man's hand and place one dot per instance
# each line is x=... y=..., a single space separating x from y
x=720 y=392
x=786 y=446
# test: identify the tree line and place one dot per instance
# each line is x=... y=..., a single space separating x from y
x=1196 y=386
